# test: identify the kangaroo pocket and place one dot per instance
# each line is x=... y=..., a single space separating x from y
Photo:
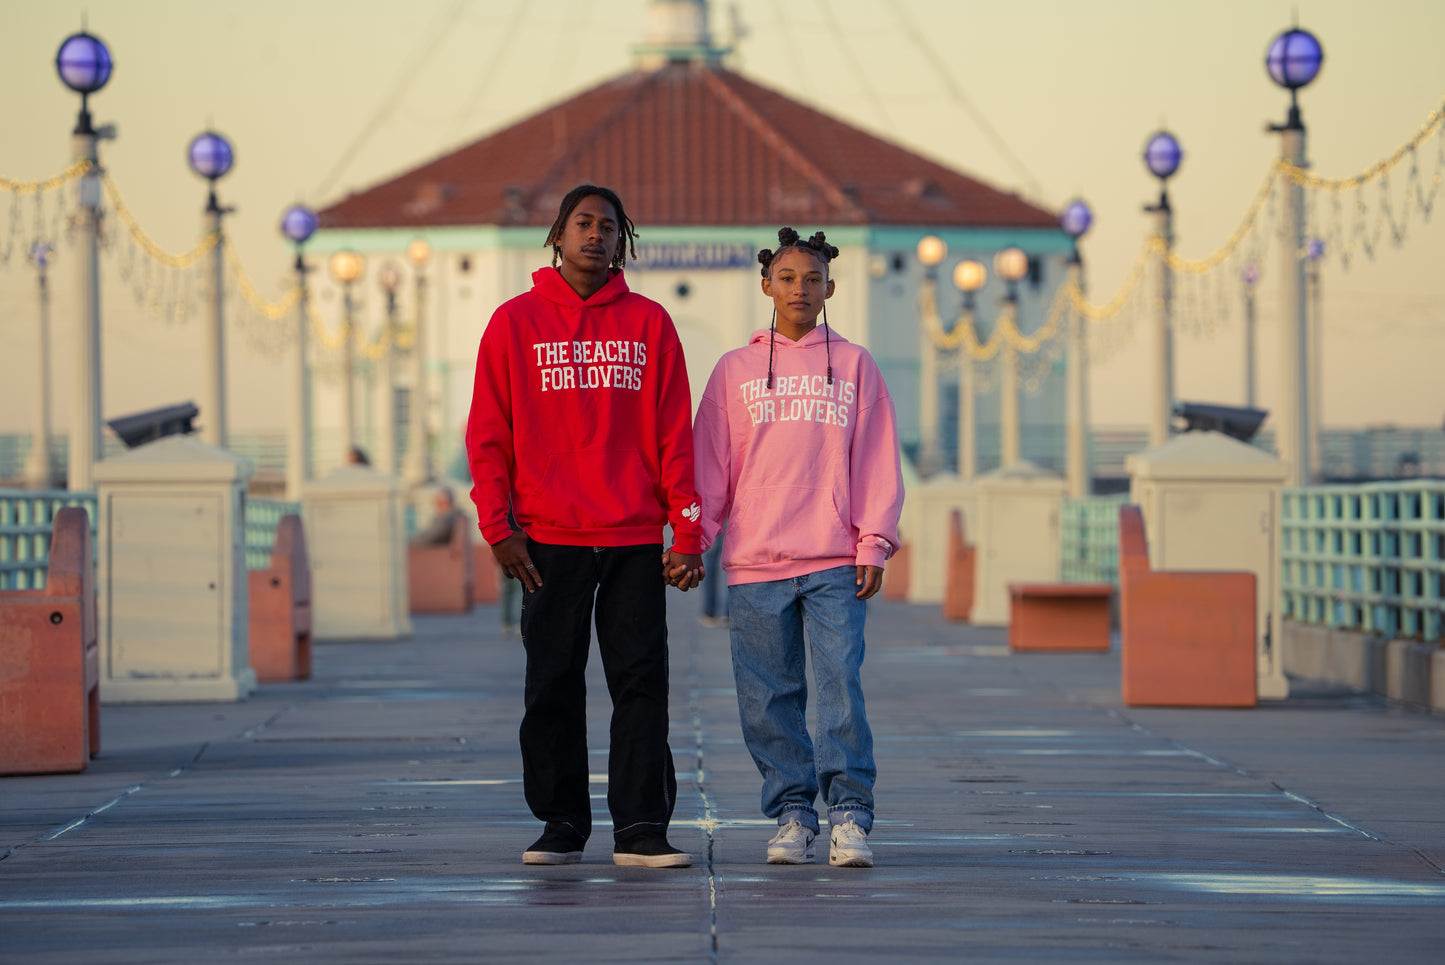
x=774 y=523
x=595 y=489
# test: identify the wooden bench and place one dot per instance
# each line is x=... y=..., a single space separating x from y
x=441 y=578
x=1059 y=616
x=1188 y=638
x=280 y=608
x=959 y=572
x=50 y=660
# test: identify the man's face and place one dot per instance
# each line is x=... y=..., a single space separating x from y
x=591 y=236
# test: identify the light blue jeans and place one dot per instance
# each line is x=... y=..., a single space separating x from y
x=767 y=623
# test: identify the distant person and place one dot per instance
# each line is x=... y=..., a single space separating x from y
x=797 y=451
x=438 y=532
x=356 y=456
x=714 y=591
x=581 y=426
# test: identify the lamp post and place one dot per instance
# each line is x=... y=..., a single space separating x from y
x=1075 y=221
x=298 y=224
x=210 y=155
x=389 y=278
x=968 y=277
x=1162 y=156
x=1249 y=274
x=1293 y=61
x=1315 y=252
x=1011 y=265
x=39 y=474
x=931 y=251
x=347 y=268
x=417 y=468
x=85 y=65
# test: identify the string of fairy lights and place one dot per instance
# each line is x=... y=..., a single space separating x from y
x=174 y=287
x=1345 y=218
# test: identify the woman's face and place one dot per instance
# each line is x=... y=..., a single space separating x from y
x=798 y=283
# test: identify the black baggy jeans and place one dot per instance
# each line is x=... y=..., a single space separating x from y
x=631 y=606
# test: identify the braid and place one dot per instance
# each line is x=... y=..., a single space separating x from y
x=570 y=202
x=788 y=238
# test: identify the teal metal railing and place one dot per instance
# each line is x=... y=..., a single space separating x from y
x=1090 y=537
x=262 y=518
x=1368 y=557
x=27 y=517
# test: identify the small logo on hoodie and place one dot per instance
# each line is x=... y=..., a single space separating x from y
x=692 y=512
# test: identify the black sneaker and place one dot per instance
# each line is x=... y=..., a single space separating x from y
x=559 y=844
x=649 y=851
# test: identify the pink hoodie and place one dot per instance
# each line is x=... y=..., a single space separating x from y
x=806 y=474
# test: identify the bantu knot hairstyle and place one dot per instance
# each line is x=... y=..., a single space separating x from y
x=569 y=204
x=788 y=238
x=819 y=248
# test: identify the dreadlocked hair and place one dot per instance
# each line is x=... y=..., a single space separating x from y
x=569 y=204
x=788 y=238
x=817 y=246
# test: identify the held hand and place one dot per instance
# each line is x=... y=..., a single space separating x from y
x=682 y=570
x=516 y=563
x=870 y=581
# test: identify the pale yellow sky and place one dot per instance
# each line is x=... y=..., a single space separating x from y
x=1072 y=88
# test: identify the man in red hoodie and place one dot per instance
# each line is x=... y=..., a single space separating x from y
x=580 y=425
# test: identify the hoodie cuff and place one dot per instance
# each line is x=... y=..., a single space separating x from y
x=686 y=543
x=497 y=532
x=872 y=556
x=874 y=551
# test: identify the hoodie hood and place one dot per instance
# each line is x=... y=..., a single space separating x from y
x=819 y=334
x=549 y=284
x=816 y=337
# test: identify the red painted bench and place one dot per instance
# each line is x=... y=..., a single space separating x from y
x=50 y=661
x=441 y=577
x=1059 y=616
x=280 y=608
x=1188 y=638
x=958 y=573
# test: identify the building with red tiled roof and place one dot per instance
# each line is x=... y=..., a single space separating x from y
x=710 y=164
x=689 y=144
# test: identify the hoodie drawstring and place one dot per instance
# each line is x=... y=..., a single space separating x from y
x=828 y=342
x=827 y=345
x=771 y=328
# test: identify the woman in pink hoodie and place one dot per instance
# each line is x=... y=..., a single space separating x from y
x=797 y=450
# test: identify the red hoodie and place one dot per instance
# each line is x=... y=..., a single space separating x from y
x=581 y=420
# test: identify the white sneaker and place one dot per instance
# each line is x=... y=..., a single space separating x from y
x=793 y=844
x=848 y=845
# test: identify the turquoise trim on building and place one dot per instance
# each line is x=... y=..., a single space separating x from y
x=1033 y=240
x=442 y=238
x=873 y=237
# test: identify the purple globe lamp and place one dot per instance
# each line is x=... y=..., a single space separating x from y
x=1293 y=61
x=84 y=65
x=1076 y=221
x=298 y=224
x=1162 y=156
x=210 y=155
